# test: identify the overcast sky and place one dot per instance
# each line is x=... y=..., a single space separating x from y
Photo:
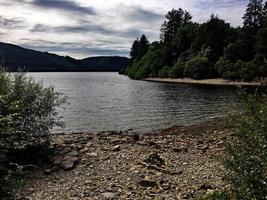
x=84 y=28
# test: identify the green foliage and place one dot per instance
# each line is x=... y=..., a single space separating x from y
x=164 y=72
x=226 y=69
x=175 y=19
x=254 y=15
x=246 y=154
x=234 y=51
x=216 y=196
x=139 y=49
x=260 y=46
x=177 y=71
x=150 y=63
x=207 y=50
x=198 y=68
x=27 y=114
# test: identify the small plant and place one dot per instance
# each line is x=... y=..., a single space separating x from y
x=215 y=196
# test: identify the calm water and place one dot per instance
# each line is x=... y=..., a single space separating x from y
x=108 y=101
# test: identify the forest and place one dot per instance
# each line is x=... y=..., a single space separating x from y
x=212 y=49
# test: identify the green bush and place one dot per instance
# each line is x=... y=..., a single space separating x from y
x=198 y=68
x=227 y=69
x=138 y=71
x=246 y=70
x=246 y=154
x=215 y=196
x=27 y=114
x=177 y=71
x=164 y=72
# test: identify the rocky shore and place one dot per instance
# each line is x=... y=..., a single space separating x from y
x=177 y=163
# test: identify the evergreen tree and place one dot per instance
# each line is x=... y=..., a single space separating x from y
x=265 y=11
x=143 y=47
x=261 y=41
x=175 y=19
x=134 y=50
x=253 y=17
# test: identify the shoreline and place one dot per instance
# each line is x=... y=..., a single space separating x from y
x=177 y=163
x=215 y=82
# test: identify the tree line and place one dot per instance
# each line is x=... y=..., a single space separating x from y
x=204 y=50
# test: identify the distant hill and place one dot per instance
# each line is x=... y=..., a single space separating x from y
x=15 y=57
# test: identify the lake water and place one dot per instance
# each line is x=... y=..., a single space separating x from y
x=108 y=101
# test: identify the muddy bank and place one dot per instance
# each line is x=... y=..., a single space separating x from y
x=177 y=163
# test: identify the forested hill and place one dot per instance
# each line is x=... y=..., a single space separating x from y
x=15 y=57
x=208 y=50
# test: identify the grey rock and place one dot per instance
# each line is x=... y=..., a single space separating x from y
x=147 y=183
x=69 y=163
x=108 y=195
x=116 y=148
x=73 y=154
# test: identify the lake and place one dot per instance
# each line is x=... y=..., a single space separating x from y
x=108 y=101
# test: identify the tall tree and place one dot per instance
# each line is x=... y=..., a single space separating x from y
x=265 y=10
x=253 y=21
x=175 y=19
x=134 y=50
x=253 y=17
x=261 y=41
x=143 y=47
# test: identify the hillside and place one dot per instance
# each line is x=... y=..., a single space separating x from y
x=16 y=57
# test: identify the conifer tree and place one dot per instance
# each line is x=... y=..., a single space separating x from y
x=175 y=19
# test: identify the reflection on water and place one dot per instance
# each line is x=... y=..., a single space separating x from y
x=108 y=101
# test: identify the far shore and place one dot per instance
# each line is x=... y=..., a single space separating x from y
x=217 y=81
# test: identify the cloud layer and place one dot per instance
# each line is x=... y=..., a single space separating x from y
x=83 y=28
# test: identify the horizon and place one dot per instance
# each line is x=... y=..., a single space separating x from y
x=82 y=29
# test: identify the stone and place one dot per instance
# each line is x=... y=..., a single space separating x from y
x=69 y=141
x=142 y=143
x=108 y=195
x=65 y=151
x=148 y=183
x=136 y=137
x=116 y=148
x=93 y=154
x=69 y=163
x=84 y=150
x=155 y=159
x=181 y=149
x=115 y=141
x=206 y=187
x=57 y=161
x=73 y=154
x=28 y=168
x=51 y=170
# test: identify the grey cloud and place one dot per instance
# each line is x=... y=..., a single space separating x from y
x=141 y=14
x=78 y=49
x=64 y=5
x=219 y=4
x=11 y=23
x=87 y=28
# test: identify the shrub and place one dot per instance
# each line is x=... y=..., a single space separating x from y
x=227 y=69
x=215 y=196
x=246 y=70
x=137 y=71
x=177 y=71
x=164 y=72
x=246 y=154
x=27 y=114
x=198 y=68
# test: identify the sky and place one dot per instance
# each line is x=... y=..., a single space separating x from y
x=85 y=28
